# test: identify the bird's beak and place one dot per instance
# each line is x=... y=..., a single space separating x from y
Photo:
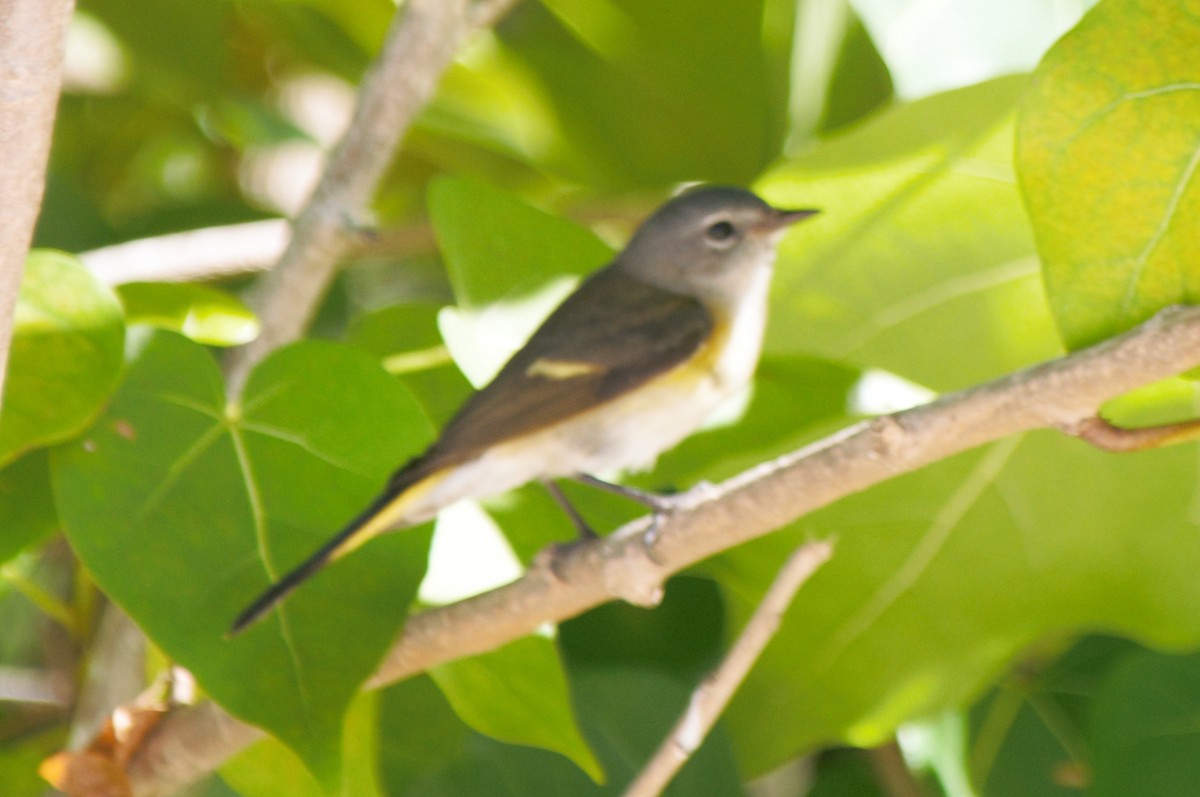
x=780 y=220
x=786 y=218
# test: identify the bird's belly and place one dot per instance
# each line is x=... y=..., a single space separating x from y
x=627 y=433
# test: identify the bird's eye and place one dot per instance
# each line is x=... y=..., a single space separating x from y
x=721 y=231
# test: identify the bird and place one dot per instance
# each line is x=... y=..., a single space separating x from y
x=627 y=366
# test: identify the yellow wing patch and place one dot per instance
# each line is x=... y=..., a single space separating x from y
x=561 y=369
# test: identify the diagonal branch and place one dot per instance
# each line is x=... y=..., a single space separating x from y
x=32 y=42
x=421 y=44
x=714 y=693
x=1055 y=394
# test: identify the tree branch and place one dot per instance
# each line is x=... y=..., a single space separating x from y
x=1055 y=394
x=32 y=41
x=420 y=45
x=231 y=250
x=713 y=694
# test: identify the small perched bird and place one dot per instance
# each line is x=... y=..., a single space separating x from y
x=627 y=366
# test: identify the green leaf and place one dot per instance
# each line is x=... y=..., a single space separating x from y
x=498 y=247
x=269 y=769
x=405 y=339
x=941 y=577
x=636 y=110
x=65 y=357
x=26 y=504
x=204 y=314
x=518 y=694
x=1143 y=728
x=185 y=509
x=439 y=756
x=922 y=262
x=626 y=712
x=510 y=265
x=1108 y=159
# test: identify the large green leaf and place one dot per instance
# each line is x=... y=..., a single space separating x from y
x=65 y=356
x=622 y=76
x=922 y=262
x=510 y=265
x=405 y=339
x=1108 y=157
x=439 y=756
x=1143 y=727
x=942 y=576
x=269 y=769
x=518 y=694
x=184 y=509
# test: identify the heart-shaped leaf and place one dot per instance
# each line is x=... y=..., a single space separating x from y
x=184 y=508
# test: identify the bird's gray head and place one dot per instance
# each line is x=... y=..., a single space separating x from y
x=708 y=242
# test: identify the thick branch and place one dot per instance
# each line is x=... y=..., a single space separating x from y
x=32 y=38
x=421 y=44
x=1056 y=394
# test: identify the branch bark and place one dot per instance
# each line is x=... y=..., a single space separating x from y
x=32 y=42
x=1056 y=394
x=420 y=45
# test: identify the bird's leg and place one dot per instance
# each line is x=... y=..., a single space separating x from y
x=581 y=526
x=660 y=505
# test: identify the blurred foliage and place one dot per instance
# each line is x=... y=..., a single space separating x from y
x=975 y=221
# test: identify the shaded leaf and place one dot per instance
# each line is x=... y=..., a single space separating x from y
x=1143 y=727
x=518 y=694
x=183 y=509
x=26 y=504
x=269 y=769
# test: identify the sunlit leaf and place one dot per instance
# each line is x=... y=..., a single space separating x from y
x=65 y=357
x=922 y=262
x=1108 y=157
x=675 y=122
x=203 y=314
x=941 y=577
x=510 y=265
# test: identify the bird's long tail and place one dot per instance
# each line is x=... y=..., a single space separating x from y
x=383 y=514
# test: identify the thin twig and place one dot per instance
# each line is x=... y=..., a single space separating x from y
x=1119 y=439
x=713 y=695
x=892 y=774
x=420 y=45
x=32 y=41
x=195 y=740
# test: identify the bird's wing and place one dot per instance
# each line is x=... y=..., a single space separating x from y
x=610 y=336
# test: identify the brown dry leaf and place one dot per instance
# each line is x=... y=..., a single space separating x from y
x=99 y=770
